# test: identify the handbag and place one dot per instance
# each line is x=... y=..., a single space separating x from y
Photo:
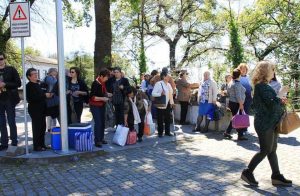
x=240 y=121
x=120 y=136
x=289 y=122
x=161 y=100
x=131 y=137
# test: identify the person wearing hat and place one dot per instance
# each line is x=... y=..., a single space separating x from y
x=163 y=113
x=184 y=94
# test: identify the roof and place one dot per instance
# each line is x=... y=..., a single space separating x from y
x=33 y=59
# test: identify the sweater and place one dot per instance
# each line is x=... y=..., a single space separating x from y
x=236 y=92
x=267 y=107
x=212 y=91
x=159 y=88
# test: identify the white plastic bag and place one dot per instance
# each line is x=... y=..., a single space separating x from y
x=148 y=118
x=149 y=127
x=120 y=136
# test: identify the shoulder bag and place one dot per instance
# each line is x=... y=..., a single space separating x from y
x=161 y=100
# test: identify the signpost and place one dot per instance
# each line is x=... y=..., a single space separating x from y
x=20 y=27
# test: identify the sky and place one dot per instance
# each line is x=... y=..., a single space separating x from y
x=43 y=35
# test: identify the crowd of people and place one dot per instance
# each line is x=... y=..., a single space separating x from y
x=111 y=89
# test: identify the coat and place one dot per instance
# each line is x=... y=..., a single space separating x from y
x=184 y=90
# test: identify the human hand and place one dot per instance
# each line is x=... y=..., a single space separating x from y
x=2 y=84
x=284 y=100
x=121 y=87
x=109 y=94
x=125 y=123
x=49 y=95
x=163 y=93
x=76 y=93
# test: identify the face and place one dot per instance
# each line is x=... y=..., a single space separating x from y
x=33 y=76
x=206 y=75
x=54 y=74
x=2 y=60
x=130 y=95
x=73 y=73
x=103 y=78
x=228 y=79
x=243 y=71
x=118 y=74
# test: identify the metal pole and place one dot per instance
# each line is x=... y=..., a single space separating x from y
x=24 y=95
x=61 y=78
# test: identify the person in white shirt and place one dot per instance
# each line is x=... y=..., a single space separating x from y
x=163 y=113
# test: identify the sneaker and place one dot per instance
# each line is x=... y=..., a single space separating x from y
x=279 y=180
x=242 y=138
x=3 y=147
x=248 y=177
x=227 y=135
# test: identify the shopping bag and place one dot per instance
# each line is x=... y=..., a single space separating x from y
x=120 y=136
x=289 y=122
x=83 y=141
x=240 y=121
x=131 y=137
x=149 y=126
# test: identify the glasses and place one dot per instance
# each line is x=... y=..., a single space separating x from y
x=1 y=59
x=72 y=71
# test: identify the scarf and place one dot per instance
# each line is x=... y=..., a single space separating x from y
x=204 y=91
x=136 y=115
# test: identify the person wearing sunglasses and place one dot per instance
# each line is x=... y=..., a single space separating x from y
x=9 y=98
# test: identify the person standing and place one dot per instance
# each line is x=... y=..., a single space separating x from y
x=184 y=95
x=163 y=87
x=268 y=110
x=245 y=81
x=236 y=94
x=224 y=95
x=207 y=98
x=118 y=86
x=9 y=98
x=36 y=98
x=98 y=98
x=77 y=95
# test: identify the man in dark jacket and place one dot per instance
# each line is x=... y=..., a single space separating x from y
x=9 y=98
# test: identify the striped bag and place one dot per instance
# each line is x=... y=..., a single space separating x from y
x=84 y=141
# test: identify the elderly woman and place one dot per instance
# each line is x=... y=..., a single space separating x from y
x=184 y=94
x=36 y=98
x=268 y=111
x=207 y=97
x=236 y=94
x=163 y=87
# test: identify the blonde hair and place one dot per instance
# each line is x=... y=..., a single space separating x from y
x=263 y=72
x=243 y=65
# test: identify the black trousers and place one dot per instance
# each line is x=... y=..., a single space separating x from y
x=268 y=146
x=163 y=117
x=184 y=109
x=234 y=107
x=119 y=114
x=38 y=118
x=141 y=125
x=78 y=107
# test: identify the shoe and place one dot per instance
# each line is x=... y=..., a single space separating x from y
x=39 y=148
x=48 y=130
x=248 y=177
x=140 y=139
x=279 y=180
x=104 y=142
x=46 y=147
x=227 y=135
x=196 y=130
x=3 y=147
x=98 y=144
x=169 y=134
x=242 y=138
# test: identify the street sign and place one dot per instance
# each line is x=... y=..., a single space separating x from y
x=19 y=19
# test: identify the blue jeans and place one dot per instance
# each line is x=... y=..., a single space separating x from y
x=99 y=120
x=7 y=109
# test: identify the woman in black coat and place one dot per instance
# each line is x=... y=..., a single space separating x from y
x=36 y=98
x=77 y=94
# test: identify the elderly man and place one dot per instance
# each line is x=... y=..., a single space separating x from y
x=9 y=98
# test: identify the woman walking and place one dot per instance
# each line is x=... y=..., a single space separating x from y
x=98 y=99
x=268 y=111
x=236 y=93
x=207 y=97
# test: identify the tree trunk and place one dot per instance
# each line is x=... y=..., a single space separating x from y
x=172 y=47
x=103 y=39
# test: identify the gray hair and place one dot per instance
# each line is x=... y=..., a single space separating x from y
x=52 y=70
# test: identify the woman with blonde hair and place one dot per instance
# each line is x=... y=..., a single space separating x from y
x=268 y=110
